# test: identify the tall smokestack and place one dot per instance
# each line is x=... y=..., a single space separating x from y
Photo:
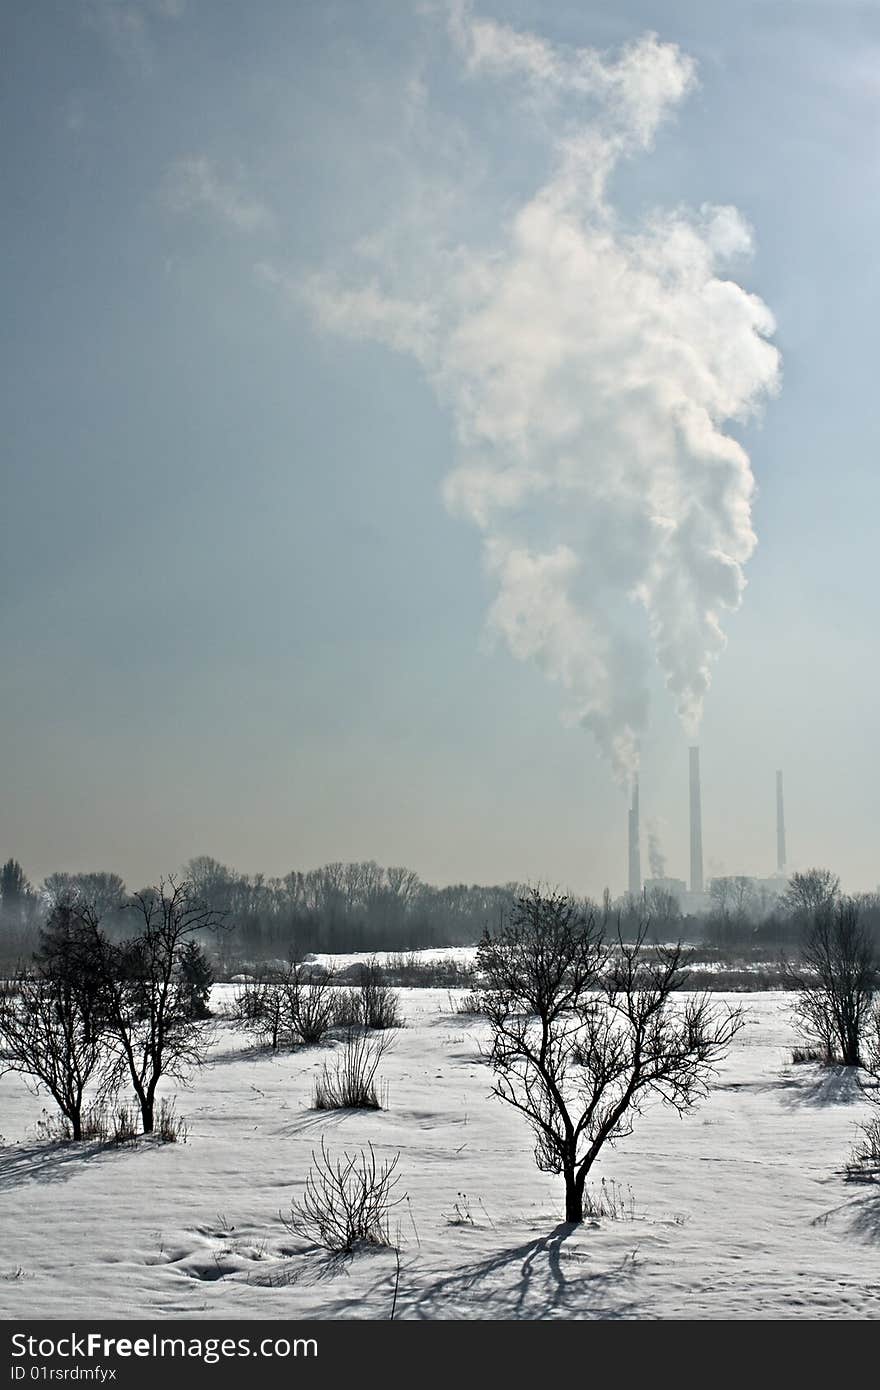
x=780 y=826
x=635 y=858
x=696 y=825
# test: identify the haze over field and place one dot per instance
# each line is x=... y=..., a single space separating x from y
x=420 y=417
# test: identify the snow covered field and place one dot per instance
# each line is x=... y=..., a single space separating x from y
x=738 y=1211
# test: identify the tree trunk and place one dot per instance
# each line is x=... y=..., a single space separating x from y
x=76 y=1125
x=574 y=1196
x=147 y=1114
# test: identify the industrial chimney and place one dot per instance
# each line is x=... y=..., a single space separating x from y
x=635 y=858
x=696 y=825
x=780 y=827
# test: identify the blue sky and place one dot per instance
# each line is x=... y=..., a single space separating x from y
x=239 y=614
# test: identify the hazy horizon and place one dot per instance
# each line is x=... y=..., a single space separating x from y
x=418 y=417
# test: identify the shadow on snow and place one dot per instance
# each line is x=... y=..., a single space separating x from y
x=542 y=1287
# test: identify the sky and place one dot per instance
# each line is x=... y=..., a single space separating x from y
x=420 y=415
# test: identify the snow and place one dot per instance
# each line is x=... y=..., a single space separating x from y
x=432 y=955
x=739 y=1210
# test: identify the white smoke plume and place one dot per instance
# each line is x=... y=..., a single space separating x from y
x=590 y=367
x=656 y=857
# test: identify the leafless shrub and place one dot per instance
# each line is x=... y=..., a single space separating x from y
x=380 y=1006
x=413 y=972
x=736 y=980
x=258 y=1010
x=608 y=1200
x=347 y=1202
x=102 y=1123
x=294 y=1006
x=461 y=1214
x=57 y=1129
x=347 y=1011
x=122 y=1126
x=94 y=1124
x=350 y=1084
x=53 y=1129
x=170 y=1127
x=800 y=1055
x=835 y=979
x=247 y=1001
x=309 y=999
x=469 y=1005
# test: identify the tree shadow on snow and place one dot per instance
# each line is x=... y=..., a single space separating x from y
x=308 y=1121
x=248 y=1052
x=527 y=1282
x=310 y=1265
x=865 y=1218
x=860 y=1215
x=835 y=1085
x=48 y=1162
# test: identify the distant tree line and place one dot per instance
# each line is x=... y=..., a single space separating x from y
x=743 y=913
x=740 y=916
x=344 y=907
x=362 y=906
x=338 y=907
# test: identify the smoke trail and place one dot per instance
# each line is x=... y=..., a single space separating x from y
x=656 y=857
x=590 y=367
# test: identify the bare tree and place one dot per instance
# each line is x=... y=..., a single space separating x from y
x=46 y=1039
x=51 y=1028
x=835 y=980
x=584 y=1034
x=103 y=892
x=810 y=890
x=721 y=894
x=145 y=1001
x=663 y=908
x=210 y=879
x=743 y=896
